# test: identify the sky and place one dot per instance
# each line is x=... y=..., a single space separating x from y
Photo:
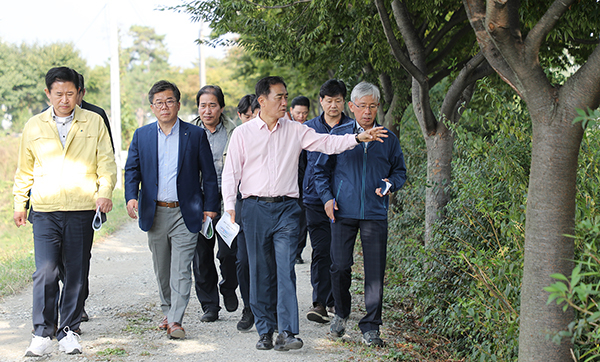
x=85 y=23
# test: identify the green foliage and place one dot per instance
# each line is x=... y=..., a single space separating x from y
x=320 y=39
x=113 y=351
x=466 y=284
x=22 y=72
x=589 y=118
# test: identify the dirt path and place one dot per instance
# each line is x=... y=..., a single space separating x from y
x=124 y=311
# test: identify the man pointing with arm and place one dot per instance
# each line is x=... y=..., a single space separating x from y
x=263 y=160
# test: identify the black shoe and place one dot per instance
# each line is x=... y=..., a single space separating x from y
x=318 y=314
x=299 y=260
x=338 y=326
x=265 y=342
x=247 y=321
x=286 y=341
x=231 y=302
x=210 y=316
x=371 y=338
x=84 y=316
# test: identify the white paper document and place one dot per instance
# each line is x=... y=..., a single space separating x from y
x=207 y=228
x=227 y=229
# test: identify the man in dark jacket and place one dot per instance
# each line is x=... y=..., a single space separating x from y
x=354 y=187
x=331 y=98
x=166 y=158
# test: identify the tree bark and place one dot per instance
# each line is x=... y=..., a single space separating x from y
x=550 y=216
x=439 y=171
x=555 y=148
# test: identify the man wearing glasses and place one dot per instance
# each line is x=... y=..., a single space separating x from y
x=166 y=158
x=262 y=160
x=354 y=187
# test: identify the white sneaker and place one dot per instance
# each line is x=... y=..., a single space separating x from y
x=39 y=346
x=70 y=343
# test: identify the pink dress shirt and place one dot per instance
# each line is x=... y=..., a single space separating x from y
x=265 y=163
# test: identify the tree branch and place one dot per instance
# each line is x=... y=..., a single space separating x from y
x=459 y=92
x=395 y=45
x=448 y=48
x=493 y=41
x=432 y=40
x=584 y=86
x=538 y=34
x=279 y=6
x=584 y=41
x=407 y=29
x=443 y=73
x=386 y=87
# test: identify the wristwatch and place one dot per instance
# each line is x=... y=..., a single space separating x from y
x=357 y=139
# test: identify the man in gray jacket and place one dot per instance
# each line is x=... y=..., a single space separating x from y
x=211 y=103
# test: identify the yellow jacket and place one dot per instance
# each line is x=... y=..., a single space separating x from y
x=69 y=178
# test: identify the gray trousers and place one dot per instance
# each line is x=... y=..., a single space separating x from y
x=172 y=246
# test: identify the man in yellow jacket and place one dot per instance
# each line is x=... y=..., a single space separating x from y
x=67 y=171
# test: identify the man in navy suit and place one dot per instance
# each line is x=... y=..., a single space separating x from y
x=173 y=162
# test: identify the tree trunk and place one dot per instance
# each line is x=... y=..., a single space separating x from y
x=439 y=169
x=550 y=216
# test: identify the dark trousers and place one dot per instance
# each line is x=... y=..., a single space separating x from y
x=243 y=271
x=205 y=271
x=319 y=228
x=302 y=230
x=61 y=239
x=373 y=235
x=271 y=230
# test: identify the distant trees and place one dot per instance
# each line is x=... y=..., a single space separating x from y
x=22 y=71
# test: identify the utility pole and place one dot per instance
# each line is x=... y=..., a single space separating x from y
x=201 y=56
x=115 y=92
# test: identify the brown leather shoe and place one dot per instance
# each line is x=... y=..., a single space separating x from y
x=175 y=331
x=164 y=324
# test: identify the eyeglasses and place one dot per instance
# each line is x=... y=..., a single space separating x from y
x=362 y=107
x=169 y=103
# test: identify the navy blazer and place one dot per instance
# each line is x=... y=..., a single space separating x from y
x=195 y=157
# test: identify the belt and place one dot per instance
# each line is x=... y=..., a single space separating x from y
x=272 y=199
x=167 y=204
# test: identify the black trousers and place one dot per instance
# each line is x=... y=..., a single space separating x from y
x=319 y=229
x=205 y=272
x=373 y=235
x=302 y=230
x=62 y=239
x=242 y=266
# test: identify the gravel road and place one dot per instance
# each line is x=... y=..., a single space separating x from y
x=124 y=311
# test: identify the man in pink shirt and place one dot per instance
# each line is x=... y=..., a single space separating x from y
x=263 y=160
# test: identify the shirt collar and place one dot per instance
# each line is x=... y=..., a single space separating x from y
x=218 y=129
x=358 y=127
x=174 y=129
x=67 y=119
x=263 y=124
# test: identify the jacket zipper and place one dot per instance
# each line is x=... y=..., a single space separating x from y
x=338 y=191
x=364 y=176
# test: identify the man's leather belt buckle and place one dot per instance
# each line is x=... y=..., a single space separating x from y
x=167 y=204
x=271 y=199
